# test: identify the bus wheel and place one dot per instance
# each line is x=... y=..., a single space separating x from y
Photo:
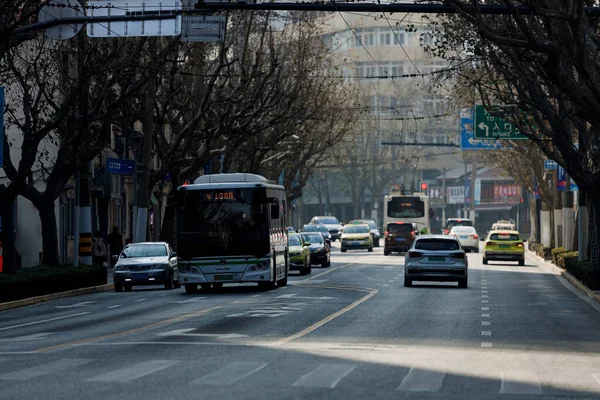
x=218 y=285
x=205 y=286
x=190 y=288
x=266 y=285
x=283 y=282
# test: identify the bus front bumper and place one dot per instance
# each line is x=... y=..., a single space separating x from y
x=225 y=277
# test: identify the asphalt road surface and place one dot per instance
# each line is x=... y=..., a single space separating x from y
x=350 y=331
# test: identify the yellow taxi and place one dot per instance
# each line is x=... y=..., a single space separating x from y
x=504 y=246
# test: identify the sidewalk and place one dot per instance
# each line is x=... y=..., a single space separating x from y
x=547 y=265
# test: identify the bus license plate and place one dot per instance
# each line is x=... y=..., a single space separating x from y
x=437 y=258
x=224 y=277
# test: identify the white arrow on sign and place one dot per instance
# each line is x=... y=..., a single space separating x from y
x=186 y=332
x=294 y=296
x=484 y=126
x=76 y=305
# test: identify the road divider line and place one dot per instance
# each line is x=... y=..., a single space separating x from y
x=325 y=273
x=331 y=317
x=43 y=321
x=127 y=332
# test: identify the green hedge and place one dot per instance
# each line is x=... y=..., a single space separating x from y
x=545 y=252
x=583 y=271
x=566 y=257
x=39 y=281
x=556 y=253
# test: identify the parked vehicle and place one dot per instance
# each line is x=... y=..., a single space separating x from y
x=299 y=253
x=152 y=263
x=320 y=251
x=436 y=258
x=357 y=237
x=399 y=236
x=372 y=227
x=504 y=246
x=332 y=223
x=467 y=236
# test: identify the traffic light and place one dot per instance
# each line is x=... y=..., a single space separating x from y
x=424 y=187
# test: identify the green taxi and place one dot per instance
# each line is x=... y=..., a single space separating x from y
x=504 y=246
x=299 y=252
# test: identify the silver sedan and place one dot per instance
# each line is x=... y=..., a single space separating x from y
x=436 y=258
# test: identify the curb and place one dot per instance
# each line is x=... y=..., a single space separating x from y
x=567 y=276
x=55 y=296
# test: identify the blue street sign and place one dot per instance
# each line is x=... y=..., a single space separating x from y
x=1 y=127
x=561 y=179
x=550 y=164
x=467 y=135
x=118 y=166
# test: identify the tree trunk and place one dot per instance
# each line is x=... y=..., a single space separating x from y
x=9 y=253
x=594 y=223
x=46 y=209
x=168 y=232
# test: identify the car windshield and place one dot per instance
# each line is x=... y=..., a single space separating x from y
x=400 y=228
x=144 y=250
x=356 y=229
x=312 y=237
x=460 y=222
x=463 y=229
x=437 y=244
x=406 y=207
x=294 y=240
x=311 y=228
x=504 y=236
x=322 y=228
x=328 y=221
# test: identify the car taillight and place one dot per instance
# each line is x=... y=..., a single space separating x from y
x=490 y=244
x=475 y=237
x=446 y=231
x=458 y=255
x=386 y=234
x=414 y=254
x=413 y=234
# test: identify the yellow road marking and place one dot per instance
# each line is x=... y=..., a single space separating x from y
x=317 y=325
x=128 y=332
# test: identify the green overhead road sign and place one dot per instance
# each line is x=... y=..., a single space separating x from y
x=490 y=127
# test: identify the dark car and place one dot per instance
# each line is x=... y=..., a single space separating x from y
x=146 y=264
x=318 y=228
x=319 y=250
x=399 y=236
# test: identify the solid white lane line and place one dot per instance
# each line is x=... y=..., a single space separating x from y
x=139 y=300
x=115 y=306
x=325 y=376
x=44 y=369
x=132 y=372
x=486 y=333
x=486 y=323
x=77 y=305
x=231 y=373
x=520 y=382
x=487 y=345
x=43 y=321
x=192 y=300
x=485 y=309
x=420 y=380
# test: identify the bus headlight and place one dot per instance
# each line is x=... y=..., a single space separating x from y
x=263 y=265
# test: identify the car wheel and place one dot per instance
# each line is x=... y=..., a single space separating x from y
x=485 y=260
x=118 y=287
x=407 y=282
x=176 y=284
x=190 y=288
x=522 y=262
x=309 y=271
x=463 y=283
x=344 y=250
x=376 y=242
x=386 y=253
x=169 y=282
x=127 y=287
x=217 y=285
x=370 y=249
x=205 y=286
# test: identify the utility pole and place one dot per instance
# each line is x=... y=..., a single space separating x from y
x=473 y=188
x=444 y=197
x=143 y=195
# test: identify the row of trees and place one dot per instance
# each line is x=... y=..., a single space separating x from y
x=263 y=100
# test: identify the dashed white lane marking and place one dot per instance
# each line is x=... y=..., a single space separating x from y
x=487 y=345
x=230 y=374
x=325 y=376
x=77 y=305
x=43 y=320
x=485 y=315
x=256 y=295
x=420 y=380
x=486 y=323
x=485 y=309
x=520 y=382
x=486 y=333
x=188 y=301
x=391 y=281
x=140 y=300
x=134 y=371
x=385 y=285
x=389 y=267
x=484 y=301
x=115 y=306
x=45 y=369
x=484 y=291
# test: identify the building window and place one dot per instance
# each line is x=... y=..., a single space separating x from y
x=399 y=38
x=384 y=39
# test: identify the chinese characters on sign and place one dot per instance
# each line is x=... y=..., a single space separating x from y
x=507 y=194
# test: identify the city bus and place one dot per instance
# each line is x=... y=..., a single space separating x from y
x=231 y=228
x=407 y=208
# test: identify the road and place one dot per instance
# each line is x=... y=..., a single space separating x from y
x=351 y=331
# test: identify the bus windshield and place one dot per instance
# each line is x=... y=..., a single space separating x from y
x=406 y=207
x=222 y=222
